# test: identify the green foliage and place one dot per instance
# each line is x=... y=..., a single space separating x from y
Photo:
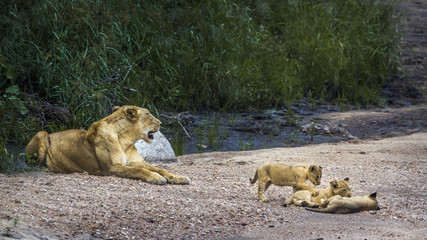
x=245 y=145
x=90 y=55
x=11 y=162
x=185 y=54
x=16 y=126
x=11 y=100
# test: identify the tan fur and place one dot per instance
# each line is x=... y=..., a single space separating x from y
x=303 y=198
x=280 y=175
x=107 y=148
x=342 y=205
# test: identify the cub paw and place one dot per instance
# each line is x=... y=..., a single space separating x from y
x=315 y=193
x=324 y=203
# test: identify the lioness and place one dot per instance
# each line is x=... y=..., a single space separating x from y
x=303 y=198
x=280 y=175
x=342 y=205
x=107 y=148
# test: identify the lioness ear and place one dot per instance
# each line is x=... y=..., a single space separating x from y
x=373 y=195
x=347 y=179
x=334 y=183
x=115 y=108
x=132 y=114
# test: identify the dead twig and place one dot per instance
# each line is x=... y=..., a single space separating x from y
x=179 y=122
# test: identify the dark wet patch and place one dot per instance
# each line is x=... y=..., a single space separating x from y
x=298 y=126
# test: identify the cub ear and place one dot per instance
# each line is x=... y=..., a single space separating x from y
x=115 y=108
x=373 y=195
x=347 y=179
x=334 y=183
x=91 y=132
x=314 y=167
x=132 y=114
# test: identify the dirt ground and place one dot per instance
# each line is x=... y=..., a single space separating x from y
x=220 y=203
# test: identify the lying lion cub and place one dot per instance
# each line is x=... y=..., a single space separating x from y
x=342 y=205
x=280 y=175
x=303 y=198
x=107 y=148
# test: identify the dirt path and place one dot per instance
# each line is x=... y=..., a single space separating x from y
x=220 y=203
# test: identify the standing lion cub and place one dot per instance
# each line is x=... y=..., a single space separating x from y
x=106 y=148
x=294 y=176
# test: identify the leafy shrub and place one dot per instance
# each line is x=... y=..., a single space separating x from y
x=186 y=54
x=89 y=55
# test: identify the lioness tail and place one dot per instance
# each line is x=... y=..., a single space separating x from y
x=40 y=145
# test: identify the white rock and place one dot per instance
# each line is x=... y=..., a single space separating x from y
x=158 y=151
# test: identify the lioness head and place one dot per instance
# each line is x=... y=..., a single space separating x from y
x=140 y=122
x=315 y=174
x=341 y=188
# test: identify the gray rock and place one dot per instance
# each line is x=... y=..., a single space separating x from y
x=326 y=129
x=158 y=151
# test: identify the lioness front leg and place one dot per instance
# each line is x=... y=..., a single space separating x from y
x=137 y=173
x=138 y=161
x=171 y=178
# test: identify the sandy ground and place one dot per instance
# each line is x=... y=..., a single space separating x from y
x=220 y=203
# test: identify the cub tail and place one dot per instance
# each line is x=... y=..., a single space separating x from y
x=321 y=210
x=255 y=178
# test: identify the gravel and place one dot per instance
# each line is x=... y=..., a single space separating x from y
x=220 y=203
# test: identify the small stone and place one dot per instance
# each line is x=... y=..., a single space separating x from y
x=13 y=235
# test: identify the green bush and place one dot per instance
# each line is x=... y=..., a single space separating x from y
x=89 y=55
x=186 y=54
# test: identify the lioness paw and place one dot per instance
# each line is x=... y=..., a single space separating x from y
x=315 y=193
x=157 y=179
x=180 y=180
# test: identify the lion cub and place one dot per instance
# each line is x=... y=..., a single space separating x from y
x=280 y=175
x=303 y=198
x=342 y=205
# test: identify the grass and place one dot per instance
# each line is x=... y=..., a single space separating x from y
x=11 y=161
x=209 y=134
x=88 y=56
x=245 y=145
